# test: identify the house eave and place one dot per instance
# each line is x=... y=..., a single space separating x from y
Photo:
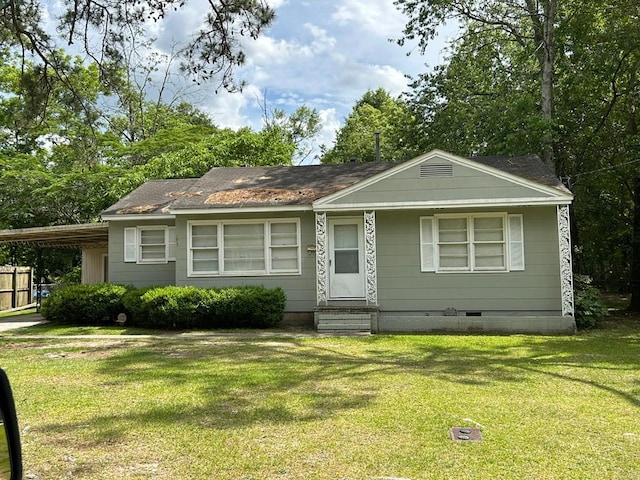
x=448 y=204
x=127 y=217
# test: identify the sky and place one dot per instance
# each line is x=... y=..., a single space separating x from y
x=324 y=54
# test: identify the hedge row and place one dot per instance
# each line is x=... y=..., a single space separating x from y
x=167 y=307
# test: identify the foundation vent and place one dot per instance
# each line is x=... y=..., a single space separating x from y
x=438 y=170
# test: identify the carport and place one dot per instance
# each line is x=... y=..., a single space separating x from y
x=92 y=238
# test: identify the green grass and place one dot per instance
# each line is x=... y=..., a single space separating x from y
x=329 y=408
x=17 y=313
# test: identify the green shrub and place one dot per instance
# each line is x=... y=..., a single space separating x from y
x=191 y=307
x=172 y=307
x=249 y=307
x=167 y=307
x=84 y=304
x=133 y=305
x=589 y=308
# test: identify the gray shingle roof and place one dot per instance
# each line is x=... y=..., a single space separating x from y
x=284 y=185
x=274 y=186
x=529 y=167
x=153 y=197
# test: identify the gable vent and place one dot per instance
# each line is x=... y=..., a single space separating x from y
x=428 y=170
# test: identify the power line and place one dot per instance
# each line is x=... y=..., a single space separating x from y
x=612 y=167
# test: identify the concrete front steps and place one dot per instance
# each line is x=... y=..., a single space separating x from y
x=351 y=319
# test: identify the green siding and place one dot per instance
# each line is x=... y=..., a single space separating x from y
x=465 y=184
x=403 y=287
x=138 y=275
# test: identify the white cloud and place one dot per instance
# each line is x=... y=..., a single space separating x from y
x=377 y=17
x=236 y=110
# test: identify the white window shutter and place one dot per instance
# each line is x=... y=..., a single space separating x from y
x=516 y=243
x=130 y=244
x=427 y=250
x=171 y=244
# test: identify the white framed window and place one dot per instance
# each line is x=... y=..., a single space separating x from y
x=270 y=247
x=491 y=242
x=150 y=244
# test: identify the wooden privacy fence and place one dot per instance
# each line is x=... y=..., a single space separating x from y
x=15 y=287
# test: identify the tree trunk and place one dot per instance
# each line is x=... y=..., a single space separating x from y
x=635 y=252
x=548 y=74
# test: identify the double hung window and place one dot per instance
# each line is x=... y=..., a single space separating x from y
x=152 y=244
x=244 y=248
x=472 y=243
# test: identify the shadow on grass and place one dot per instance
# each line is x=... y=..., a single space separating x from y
x=247 y=382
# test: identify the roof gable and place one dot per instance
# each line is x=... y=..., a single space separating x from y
x=439 y=180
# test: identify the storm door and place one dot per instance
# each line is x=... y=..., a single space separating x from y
x=346 y=259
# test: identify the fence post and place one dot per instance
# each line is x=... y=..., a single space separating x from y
x=14 y=294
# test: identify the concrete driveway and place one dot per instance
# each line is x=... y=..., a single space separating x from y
x=20 y=321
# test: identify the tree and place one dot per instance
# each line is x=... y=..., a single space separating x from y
x=531 y=24
x=223 y=148
x=375 y=112
x=299 y=128
x=485 y=100
x=212 y=52
x=482 y=102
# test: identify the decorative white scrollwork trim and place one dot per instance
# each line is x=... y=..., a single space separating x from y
x=321 y=258
x=566 y=270
x=370 y=257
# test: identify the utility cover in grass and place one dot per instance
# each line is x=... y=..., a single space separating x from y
x=465 y=434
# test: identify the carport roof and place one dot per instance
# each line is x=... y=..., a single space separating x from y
x=87 y=235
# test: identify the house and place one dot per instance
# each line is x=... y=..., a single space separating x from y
x=437 y=243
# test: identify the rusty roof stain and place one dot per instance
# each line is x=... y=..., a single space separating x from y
x=263 y=195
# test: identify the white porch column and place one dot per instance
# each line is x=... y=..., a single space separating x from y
x=370 y=257
x=566 y=270
x=322 y=274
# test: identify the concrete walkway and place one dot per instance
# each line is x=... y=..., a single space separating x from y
x=20 y=321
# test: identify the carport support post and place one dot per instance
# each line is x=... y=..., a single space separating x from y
x=39 y=275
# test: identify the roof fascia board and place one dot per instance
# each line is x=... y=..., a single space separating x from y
x=471 y=203
x=554 y=192
x=127 y=217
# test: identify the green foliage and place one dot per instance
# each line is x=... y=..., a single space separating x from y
x=588 y=305
x=248 y=307
x=73 y=276
x=212 y=51
x=191 y=307
x=376 y=111
x=167 y=307
x=84 y=304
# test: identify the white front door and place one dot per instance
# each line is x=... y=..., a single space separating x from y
x=346 y=259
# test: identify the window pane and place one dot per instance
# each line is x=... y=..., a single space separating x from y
x=244 y=247
x=284 y=234
x=454 y=256
x=452 y=230
x=152 y=237
x=250 y=235
x=243 y=260
x=205 y=260
x=204 y=236
x=488 y=229
x=345 y=236
x=153 y=252
x=284 y=258
x=490 y=256
x=347 y=261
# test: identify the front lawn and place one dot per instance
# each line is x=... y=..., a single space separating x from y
x=329 y=408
